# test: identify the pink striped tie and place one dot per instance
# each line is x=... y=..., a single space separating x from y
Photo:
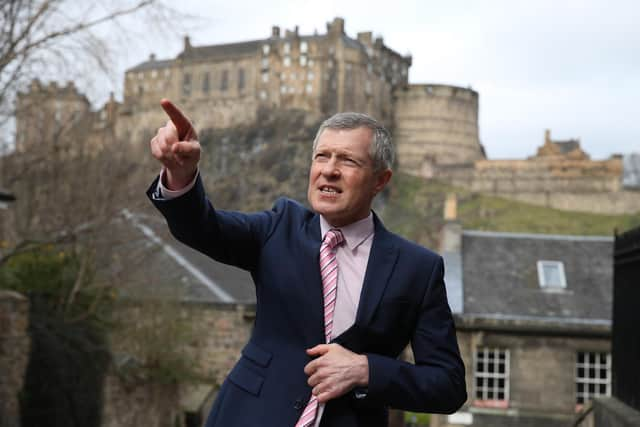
x=329 y=274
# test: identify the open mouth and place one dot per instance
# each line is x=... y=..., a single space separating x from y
x=329 y=190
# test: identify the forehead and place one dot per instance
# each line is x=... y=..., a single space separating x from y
x=356 y=140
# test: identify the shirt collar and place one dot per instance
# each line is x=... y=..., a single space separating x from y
x=354 y=234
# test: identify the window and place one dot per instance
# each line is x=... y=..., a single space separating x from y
x=265 y=63
x=491 y=377
x=304 y=47
x=287 y=48
x=241 y=79
x=265 y=76
x=186 y=84
x=263 y=94
x=265 y=49
x=309 y=88
x=287 y=61
x=205 y=83
x=551 y=275
x=303 y=61
x=593 y=375
x=224 y=80
x=154 y=74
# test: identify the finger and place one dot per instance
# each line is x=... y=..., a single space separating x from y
x=185 y=148
x=181 y=122
x=318 y=350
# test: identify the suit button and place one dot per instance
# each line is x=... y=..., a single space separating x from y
x=298 y=404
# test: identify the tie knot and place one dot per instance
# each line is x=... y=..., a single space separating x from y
x=333 y=238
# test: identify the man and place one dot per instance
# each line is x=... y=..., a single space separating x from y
x=333 y=313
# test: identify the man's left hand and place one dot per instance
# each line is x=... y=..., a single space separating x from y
x=335 y=371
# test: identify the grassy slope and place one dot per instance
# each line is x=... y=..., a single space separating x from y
x=414 y=209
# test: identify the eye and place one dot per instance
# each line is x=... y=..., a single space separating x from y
x=320 y=156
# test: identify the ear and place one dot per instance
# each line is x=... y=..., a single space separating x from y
x=382 y=178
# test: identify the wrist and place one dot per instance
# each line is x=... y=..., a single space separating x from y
x=177 y=180
x=362 y=367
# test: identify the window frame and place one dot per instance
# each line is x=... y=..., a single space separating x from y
x=541 y=264
x=586 y=395
x=481 y=396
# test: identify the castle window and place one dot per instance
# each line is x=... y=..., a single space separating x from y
x=311 y=63
x=491 y=377
x=304 y=47
x=265 y=49
x=283 y=89
x=167 y=72
x=186 y=84
x=205 y=83
x=369 y=68
x=310 y=75
x=286 y=61
x=154 y=74
x=303 y=61
x=287 y=48
x=140 y=76
x=265 y=76
x=263 y=94
x=367 y=87
x=309 y=88
x=224 y=80
x=551 y=275
x=241 y=79
x=265 y=63
x=593 y=375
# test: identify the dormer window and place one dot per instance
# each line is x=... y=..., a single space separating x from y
x=551 y=275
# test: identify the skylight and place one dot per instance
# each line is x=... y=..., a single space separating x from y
x=551 y=275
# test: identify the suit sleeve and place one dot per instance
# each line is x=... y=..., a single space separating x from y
x=436 y=382
x=233 y=238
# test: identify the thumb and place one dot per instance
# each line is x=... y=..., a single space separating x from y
x=318 y=350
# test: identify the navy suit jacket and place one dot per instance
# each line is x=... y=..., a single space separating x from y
x=403 y=300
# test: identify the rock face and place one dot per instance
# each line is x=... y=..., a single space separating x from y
x=14 y=353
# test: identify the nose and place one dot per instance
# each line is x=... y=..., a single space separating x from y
x=330 y=168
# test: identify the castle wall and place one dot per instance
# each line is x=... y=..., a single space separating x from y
x=436 y=124
x=14 y=353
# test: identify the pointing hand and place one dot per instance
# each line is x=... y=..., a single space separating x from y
x=176 y=146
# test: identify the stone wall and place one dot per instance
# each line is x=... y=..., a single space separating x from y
x=436 y=125
x=14 y=353
x=207 y=337
x=541 y=377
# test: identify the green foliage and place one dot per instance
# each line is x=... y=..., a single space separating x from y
x=68 y=357
x=416 y=419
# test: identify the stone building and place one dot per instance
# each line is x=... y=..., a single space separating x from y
x=229 y=84
x=533 y=317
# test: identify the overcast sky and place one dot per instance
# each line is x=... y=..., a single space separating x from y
x=567 y=65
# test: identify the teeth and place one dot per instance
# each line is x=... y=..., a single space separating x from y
x=328 y=190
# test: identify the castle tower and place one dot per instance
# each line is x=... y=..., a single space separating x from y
x=436 y=125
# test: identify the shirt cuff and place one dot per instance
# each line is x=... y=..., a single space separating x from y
x=165 y=194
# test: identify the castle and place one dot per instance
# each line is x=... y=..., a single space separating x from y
x=435 y=126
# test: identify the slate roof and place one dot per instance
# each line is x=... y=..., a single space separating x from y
x=500 y=278
x=568 y=145
x=152 y=64
x=222 y=51
x=166 y=268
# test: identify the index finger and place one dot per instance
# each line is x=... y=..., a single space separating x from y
x=181 y=122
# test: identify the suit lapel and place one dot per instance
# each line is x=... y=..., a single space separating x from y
x=382 y=260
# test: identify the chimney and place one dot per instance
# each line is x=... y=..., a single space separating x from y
x=187 y=43
x=275 y=32
x=336 y=27
x=451 y=234
x=366 y=38
x=152 y=57
x=547 y=136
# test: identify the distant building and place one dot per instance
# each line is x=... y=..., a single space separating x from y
x=228 y=84
x=533 y=315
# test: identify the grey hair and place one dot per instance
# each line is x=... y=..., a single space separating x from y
x=381 y=149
